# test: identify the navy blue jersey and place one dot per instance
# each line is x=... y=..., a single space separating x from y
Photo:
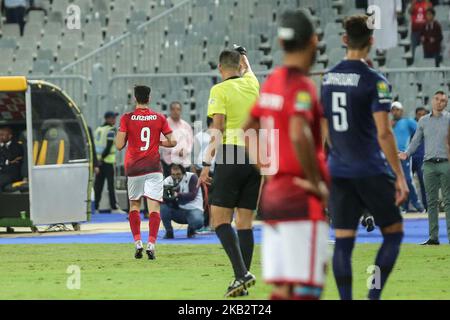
x=351 y=93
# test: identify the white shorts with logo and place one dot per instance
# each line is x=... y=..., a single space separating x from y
x=149 y=186
x=295 y=252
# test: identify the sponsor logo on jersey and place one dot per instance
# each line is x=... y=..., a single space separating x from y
x=144 y=118
x=303 y=101
x=384 y=93
x=383 y=90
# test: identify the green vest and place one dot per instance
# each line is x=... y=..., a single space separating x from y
x=101 y=139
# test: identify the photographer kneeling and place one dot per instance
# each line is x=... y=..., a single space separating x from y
x=183 y=201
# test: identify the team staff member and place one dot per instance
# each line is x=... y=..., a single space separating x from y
x=11 y=158
x=235 y=185
x=106 y=156
x=417 y=159
x=404 y=129
x=433 y=129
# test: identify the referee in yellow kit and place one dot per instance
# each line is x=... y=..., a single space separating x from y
x=235 y=184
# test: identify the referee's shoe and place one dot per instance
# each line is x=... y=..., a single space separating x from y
x=239 y=286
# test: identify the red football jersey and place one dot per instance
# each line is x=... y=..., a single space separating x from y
x=418 y=15
x=288 y=92
x=143 y=128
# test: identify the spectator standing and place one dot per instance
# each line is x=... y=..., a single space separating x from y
x=11 y=157
x=184 y=135
x=434 y=129
x=386 y=36
x=106 y=156
x=201 y=142
x=404 y=128
x=418 y=11
x=431 y=38
x=15 y=12
x=417 y=159
x=184 y=203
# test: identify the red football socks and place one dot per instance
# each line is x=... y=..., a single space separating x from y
x=154 y=221
x=135 y=224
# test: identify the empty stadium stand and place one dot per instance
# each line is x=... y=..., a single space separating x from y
x=142 y=38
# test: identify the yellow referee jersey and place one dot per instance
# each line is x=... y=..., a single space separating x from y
x=234 y=98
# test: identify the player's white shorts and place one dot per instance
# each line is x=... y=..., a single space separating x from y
x=148 y=186
x=295 y=252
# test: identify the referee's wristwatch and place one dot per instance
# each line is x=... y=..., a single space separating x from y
x=206 y=164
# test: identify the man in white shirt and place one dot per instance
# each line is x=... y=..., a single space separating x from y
x=184 y=136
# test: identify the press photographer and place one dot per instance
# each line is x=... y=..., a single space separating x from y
x=183 y=201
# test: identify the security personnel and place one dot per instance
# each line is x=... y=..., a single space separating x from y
x=106 y=156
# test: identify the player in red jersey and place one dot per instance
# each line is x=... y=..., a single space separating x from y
x=142 y=130
x=295 y=231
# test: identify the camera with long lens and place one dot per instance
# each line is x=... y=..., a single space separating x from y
x=169 y=195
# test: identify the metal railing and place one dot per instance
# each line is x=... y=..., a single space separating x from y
x=133 y=47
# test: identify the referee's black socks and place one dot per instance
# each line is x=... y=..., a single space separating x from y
x=247 y=243
x=230 y=243
x=385 y=261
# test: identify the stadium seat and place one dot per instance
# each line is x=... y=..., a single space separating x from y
x=55 y=144
x=66 y=55
x=8 y=43
x=33 y=30
x=41 y=67
x=10 y=31
x=36 y=17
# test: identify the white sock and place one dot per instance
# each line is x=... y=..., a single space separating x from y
x=150 y=246
x=139 y=244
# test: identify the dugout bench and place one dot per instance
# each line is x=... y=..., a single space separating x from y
x=57 y=169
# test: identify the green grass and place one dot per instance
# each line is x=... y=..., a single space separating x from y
x=109 y=271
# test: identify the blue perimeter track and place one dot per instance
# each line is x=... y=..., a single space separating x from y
x=416 y=231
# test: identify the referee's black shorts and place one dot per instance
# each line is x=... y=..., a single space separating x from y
x=349 y=197
x=236 y=182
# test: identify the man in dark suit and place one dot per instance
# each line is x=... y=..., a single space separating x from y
x=11 y=157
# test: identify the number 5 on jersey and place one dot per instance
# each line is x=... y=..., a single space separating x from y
x=145 y=137
x=340 y=123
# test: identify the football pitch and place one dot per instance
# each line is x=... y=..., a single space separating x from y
x=192 y=272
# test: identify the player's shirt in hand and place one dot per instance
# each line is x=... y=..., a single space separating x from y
x=143 y=128
x=288 y=92
x=351 y=93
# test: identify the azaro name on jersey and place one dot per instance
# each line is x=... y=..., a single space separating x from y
x=144 y=118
